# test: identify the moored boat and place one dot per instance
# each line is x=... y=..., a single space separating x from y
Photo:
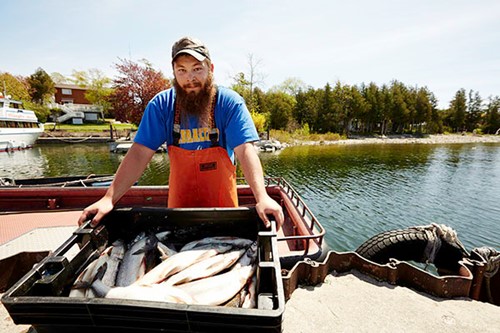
x=299 y=238
x=64 y=181
x=19 y=128
x=475 y=276
x=143 y=207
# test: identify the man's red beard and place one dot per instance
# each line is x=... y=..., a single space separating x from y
x=196 y=104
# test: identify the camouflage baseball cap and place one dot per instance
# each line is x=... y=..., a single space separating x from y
x=191 y=46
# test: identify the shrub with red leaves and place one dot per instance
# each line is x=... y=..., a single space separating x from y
x=134 y=87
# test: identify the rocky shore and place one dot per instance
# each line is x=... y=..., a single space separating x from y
x=104 y=136
x=408 y=139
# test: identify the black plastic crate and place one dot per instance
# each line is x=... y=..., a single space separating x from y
x=40 y=297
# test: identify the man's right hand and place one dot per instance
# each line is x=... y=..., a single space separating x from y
x=96 y=211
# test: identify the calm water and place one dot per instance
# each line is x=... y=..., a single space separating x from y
x=355 y=191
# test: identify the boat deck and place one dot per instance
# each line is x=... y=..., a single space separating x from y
x=14 y=225
x=26 y=238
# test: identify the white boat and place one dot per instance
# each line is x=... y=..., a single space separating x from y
x=19 y=128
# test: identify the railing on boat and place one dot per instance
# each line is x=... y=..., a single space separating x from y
x=305 y=213
x=302 y=238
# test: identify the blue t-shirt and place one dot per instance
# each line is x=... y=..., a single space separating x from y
x=232 y=119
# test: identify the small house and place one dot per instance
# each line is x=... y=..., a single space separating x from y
x=73 y=107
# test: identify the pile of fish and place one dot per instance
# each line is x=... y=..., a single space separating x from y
x=209 y=271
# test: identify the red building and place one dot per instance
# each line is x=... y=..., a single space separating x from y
x=70 y=94
x=73 y=106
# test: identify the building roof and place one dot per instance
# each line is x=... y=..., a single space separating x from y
x=70 y=86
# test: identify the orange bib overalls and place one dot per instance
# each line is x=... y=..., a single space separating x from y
x=201 y=178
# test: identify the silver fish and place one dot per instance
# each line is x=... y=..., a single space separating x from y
x=101 y=264
x=177 y=263
x=166 y=250
x=134 y=263
x=113 y=262
x=221 y=288
x=155 y=293
x=84 y=279
x=249 y=300
x=205 y=268
x=82 y=283
x=210 y=241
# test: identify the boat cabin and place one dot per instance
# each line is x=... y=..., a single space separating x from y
x=13 y=115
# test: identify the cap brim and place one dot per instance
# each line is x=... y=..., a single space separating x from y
x=193 y=53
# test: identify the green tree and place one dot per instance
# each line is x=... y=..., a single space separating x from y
x=260 y=121
x=458 y=109
x=338 y=112
x=474 y=111
x=385 y=104
x=99 y=89
x=80 y=78
x=492 y=116
x=423 y=109
x=307 y=108
x=42 y=111
x=14 y=86
x=246 y=84
x=325 y=121
x=42 y=88
x=242 y=86
x=261 y=109
x=372 y=96
x=436 y=123
x=281 y=107
x=357 y=109
x=58 y=78
x=411 y=122
x=292 y=86
x=300 y=110
x=399 y=107
x=17 y=88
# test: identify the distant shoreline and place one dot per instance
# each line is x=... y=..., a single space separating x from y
x=407 y=139
x=60 y=136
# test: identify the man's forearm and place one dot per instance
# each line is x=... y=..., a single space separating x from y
x=252 y=169
x=129 y=171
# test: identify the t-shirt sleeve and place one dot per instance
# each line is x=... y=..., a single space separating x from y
x=239 y=124
x=152 y=131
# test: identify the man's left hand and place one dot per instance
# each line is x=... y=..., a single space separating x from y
x=269 y=206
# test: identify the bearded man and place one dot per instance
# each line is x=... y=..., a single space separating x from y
x=205 y=128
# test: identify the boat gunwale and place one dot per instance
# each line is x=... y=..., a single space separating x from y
x=46 y=198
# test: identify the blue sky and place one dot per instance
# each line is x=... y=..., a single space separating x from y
x=444 y=45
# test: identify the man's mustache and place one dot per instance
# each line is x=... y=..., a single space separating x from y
x=192 y=85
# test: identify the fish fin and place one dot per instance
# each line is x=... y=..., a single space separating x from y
x=81 y=285
x=99 y=288
x=151 y=243
x=100 y=272
x=140 y=251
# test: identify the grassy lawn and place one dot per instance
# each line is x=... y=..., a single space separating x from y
x=89 y=127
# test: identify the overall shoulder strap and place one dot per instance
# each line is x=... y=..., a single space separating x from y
x=214 y=134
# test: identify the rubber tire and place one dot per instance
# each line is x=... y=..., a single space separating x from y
x=409 y=245
x=400 y=244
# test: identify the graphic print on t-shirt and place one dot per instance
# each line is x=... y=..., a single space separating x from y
x=194 y=135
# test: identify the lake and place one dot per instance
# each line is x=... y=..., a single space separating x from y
x=355 y=191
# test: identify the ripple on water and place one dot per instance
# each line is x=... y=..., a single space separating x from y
x=355 y=191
